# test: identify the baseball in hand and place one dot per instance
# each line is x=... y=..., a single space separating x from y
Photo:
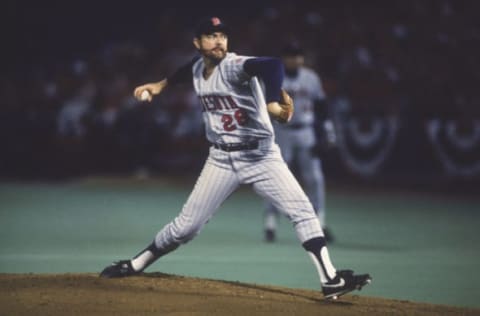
x=145 y=96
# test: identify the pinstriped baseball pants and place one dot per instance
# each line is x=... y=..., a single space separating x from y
x=223 y=172
x=297 y=145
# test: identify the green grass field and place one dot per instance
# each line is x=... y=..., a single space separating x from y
x=420 y=248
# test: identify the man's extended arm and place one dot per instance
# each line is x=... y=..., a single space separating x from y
x=182 y=75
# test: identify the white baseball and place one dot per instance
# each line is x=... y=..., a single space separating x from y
x=145 y=95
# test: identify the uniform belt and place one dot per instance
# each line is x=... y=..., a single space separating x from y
x=236 y=146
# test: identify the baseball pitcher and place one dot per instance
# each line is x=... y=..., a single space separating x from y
x=237 y=115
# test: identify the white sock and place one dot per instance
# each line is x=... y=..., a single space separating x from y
x=318 y=252
x=270 y=221
x=325 y=268
x=141 y=261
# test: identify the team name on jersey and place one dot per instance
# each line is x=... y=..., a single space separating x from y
x=214 y=102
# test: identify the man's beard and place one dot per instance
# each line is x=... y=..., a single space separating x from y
x=216 y=59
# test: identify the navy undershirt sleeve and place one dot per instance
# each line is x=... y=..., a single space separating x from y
x=271 y=71
x=183 y=74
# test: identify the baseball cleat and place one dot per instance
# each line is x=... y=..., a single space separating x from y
x=345 y=281
x=118 y=269
x=270 y=235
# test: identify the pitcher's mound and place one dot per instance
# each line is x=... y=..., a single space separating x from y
x=162 y=294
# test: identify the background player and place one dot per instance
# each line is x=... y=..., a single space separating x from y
x=236 y=114
x=303 y=137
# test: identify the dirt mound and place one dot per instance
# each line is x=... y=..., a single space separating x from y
x=162 y=294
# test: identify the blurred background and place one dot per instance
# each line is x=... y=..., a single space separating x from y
x=401 y=79
x=88 y=174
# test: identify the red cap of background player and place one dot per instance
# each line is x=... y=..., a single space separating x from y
x=210 y=25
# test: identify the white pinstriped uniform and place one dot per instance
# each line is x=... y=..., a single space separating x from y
x=226 y=93
x=296 y=143
x=243 y=152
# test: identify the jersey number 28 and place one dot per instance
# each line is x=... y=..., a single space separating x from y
x=230 y=122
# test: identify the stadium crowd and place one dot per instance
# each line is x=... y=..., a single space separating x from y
x=415 y=60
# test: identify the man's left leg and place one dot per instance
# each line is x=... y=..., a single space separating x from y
x=276 y=183
x=271 y=214
x=314 y=184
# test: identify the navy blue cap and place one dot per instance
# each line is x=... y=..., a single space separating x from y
x=210 y=25
x=292 y=49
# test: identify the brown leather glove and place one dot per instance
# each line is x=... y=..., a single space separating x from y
x=286 y=104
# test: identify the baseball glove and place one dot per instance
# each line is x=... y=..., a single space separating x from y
x=286 y=104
